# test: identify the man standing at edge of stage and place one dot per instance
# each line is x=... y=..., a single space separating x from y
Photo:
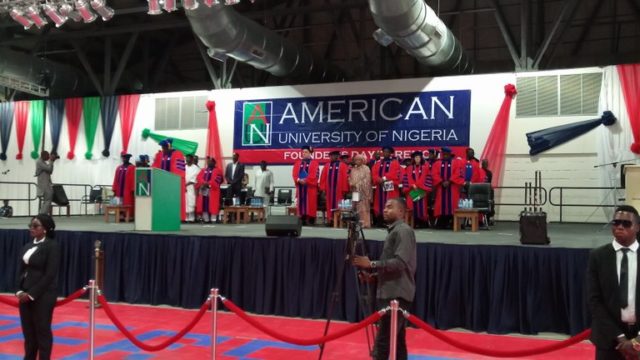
x=234 y=174
x=43 y=175
x=395 y=273
x=613 y=290
x=191 y=176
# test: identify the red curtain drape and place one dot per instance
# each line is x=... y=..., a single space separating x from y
x=22 y=116
x=630 y=80
x=128 y=105
x=214 y=149
x=73 y=108
x=495 y=148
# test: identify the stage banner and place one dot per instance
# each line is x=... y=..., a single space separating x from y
x=275 y=129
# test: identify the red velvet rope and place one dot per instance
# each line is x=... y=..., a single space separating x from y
x=62 y=302
x=315 y=341
x=71 y=297
x=9 y=301
x=498 y=353
x=162 y=345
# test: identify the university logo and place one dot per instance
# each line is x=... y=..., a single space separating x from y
x=256 y=123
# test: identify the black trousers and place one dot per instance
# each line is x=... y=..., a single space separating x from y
x=35 y=317
x=382 y=344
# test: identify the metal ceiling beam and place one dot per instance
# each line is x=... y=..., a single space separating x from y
x=587 y=27
x=525 y=7
x=215 y=79
x=87 y=67
x=161 y=64
x=506 y=32
x=569 y=6
x=123 y=62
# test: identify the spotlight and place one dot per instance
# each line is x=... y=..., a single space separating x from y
x=53 y=14
x=210 y=3
x=34 y=14
x=154 y=7
x=170 y=5
x=18 y=16
x=190 y=4
x=85 y=11
x=67 y=11
x=231 y=2
x=101 y=8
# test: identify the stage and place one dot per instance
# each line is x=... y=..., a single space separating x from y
x=483 y=281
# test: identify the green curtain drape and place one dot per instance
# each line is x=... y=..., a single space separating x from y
x=91 y=108
x=37 y=124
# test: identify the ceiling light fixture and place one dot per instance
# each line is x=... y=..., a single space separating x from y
x=34 y=14
x=85 y=11
x=18 y=15
x=52 y=12
x=101 y=8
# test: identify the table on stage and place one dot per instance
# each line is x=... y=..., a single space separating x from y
x=243 y=213
x=472 y=214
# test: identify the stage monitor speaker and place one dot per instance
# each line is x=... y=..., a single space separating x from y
x=283 y=225
x=533 y=228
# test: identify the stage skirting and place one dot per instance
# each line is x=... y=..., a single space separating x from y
x=499 y=289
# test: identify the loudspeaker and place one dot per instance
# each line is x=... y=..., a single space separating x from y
x=283 y=225
x=533 y=228
x=60 y=196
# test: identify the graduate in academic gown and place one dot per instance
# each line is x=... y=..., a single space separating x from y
x=386 y=175
x=172 y=160
x=416 y=178
x=334 y=181
x=447 y=182
x=306 y=173
x=124 y=181
x=208 y=190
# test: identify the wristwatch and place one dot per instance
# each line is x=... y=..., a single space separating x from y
x=374 y=264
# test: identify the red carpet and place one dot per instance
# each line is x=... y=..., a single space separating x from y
x=237 y=340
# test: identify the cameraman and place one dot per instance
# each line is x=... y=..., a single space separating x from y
x=395 y=273
x=44 y=169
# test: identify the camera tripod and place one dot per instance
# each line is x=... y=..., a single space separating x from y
x=355 y=246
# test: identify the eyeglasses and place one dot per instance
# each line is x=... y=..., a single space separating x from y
x=625 y=223
x=34 y=226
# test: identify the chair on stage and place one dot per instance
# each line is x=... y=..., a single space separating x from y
x=480 y=193
x=96 y=197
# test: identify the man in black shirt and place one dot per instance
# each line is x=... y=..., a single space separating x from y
x=6 y=210
x=395 y=273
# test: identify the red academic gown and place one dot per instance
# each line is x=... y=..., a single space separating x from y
x=334 y=181
x=472 y=172
x=211 y=203
x=416 y=175
x=124 y=184
x=174 y=163
x=391 y=170
x=447 y=198
x=307 y=194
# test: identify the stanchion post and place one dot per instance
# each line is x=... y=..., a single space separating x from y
x=393 y=336
x=98 y=255
x=92 y=319
x=214 y=321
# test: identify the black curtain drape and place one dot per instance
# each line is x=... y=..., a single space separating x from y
x=499 y=289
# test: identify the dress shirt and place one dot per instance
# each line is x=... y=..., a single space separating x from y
x=233 y=169
x=628 y=314
x=29 y=253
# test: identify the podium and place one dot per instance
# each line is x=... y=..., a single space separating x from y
x=632 y=180
x=157 y=200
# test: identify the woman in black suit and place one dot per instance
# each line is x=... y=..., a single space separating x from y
x=38 y=286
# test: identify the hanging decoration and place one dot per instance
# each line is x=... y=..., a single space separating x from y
x=56 y=112
x=37 y=123
x=214 y=149
x=73 y=108
x=22 y=116
x=91 y=108
x=109 y=111
x=496 y=145
x=6 y=122
x=128 y=106
x=630 y=82
x=543 y=140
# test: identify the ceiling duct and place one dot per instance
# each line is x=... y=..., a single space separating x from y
x=415 y=27
x=227 y=33
x=60 y=80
